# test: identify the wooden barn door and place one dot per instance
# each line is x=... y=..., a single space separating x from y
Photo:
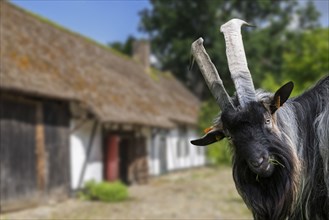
x=125 y=155
x=34 y=152
x=56 y=140
x=133 y=159
x=18 y=160
x=139 y=163
x=112 y=158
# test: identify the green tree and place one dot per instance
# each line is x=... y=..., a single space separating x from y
x=308 y=16
x=174 y=25
x=307 y=60
x=304 y=62
x=125 y=47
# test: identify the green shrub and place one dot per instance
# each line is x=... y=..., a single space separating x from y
x=219 y=153
x=104 y=191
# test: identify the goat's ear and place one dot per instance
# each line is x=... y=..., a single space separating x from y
x=281 y=96
x=209 y=138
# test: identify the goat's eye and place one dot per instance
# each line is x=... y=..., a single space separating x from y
x=267 y=121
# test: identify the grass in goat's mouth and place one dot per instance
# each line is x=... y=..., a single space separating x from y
x=275 y=162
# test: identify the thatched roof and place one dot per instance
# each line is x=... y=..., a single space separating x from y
x=40 y=58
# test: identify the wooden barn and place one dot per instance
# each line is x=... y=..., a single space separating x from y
x=34 y=149
x=73 y=110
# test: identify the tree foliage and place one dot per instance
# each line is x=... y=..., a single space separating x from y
x=304 y=62
x=174 y=25
x=125 y=47
x=287 y=44
x=308 y=59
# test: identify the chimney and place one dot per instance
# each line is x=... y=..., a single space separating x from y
x=141 y=53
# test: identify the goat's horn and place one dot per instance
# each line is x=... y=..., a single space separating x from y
x=210 y=74
x=237 y=61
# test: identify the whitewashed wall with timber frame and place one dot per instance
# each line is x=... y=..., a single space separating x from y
x=170 y=150
x=79 y=141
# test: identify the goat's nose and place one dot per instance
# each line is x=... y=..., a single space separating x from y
x=257 y=162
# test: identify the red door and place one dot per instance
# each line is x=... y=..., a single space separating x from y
x=112 y=158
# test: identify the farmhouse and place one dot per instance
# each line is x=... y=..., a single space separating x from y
x=73 y=110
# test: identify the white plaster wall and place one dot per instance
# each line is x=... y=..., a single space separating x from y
x=198 y=153
x=195 y=156
x=79 y=141
x=153 y=155
x=173 y=160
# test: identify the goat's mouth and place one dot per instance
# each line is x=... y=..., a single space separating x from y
x=265 y=168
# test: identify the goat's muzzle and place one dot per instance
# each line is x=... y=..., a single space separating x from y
x=262 y=166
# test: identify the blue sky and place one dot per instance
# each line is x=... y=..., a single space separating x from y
x=108 y=20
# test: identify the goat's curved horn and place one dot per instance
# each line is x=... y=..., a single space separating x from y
x=210 y=74
x=237 y=61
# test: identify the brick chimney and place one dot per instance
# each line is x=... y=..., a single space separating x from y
x=141 y=53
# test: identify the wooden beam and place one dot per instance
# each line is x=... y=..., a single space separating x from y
x=40 y=148
x=79 y=125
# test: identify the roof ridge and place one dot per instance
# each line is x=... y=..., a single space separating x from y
x=67 y=30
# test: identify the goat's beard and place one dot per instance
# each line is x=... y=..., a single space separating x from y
x=272 y=197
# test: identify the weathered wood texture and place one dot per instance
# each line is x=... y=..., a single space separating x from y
x=34 y=152
x=40 y=148
x=139 y=163
x=17 y=152
x=56 y=128
x=133 y=160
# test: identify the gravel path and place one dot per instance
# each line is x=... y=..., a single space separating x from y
x=203 y=193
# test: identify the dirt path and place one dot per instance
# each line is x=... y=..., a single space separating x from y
x=203 y=193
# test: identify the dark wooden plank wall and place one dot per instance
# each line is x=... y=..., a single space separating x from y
x=139 y=165
x=34 y=151
x=17 y=151
x=135 y=159
x=56 y=128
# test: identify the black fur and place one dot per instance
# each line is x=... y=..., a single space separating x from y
x=270 y=197
x=278 y=166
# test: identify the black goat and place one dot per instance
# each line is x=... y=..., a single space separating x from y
x=280 y=146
